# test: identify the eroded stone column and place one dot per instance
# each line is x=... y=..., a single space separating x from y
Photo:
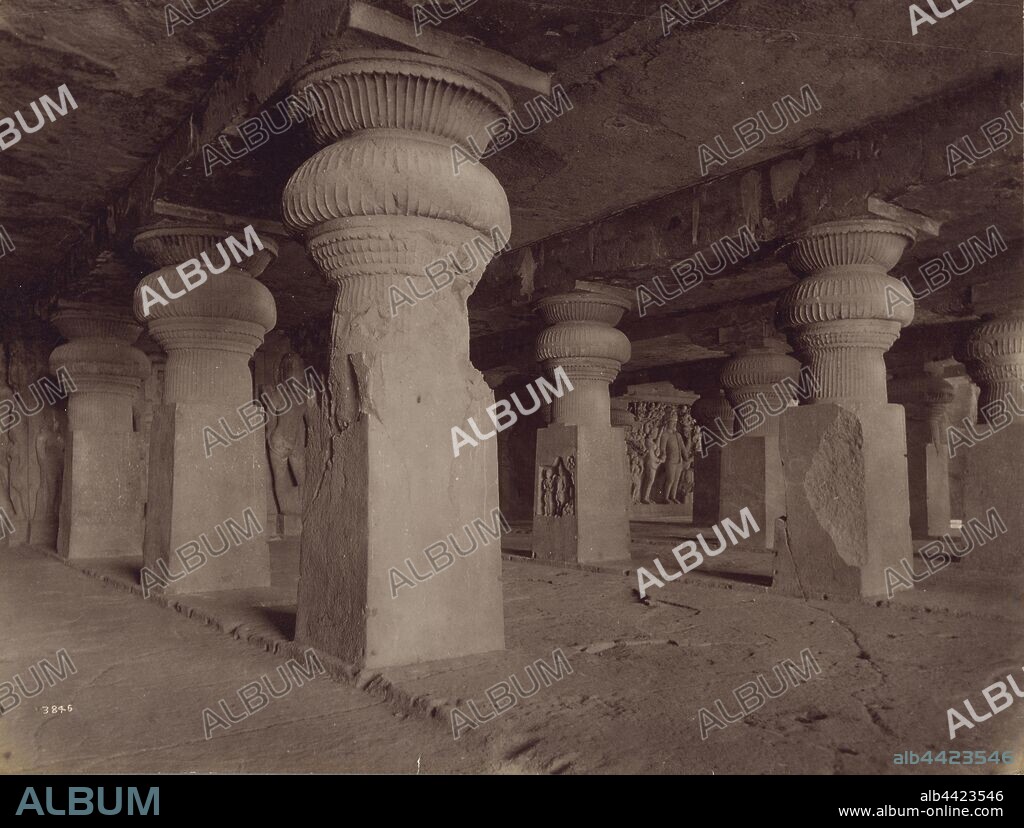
x=714 y=413
x=994 y=455
x=207 y=467
x=844 y=454
x=581 y=501
x=377 y=207
x=751 y=464
x=925 y=398
x=102 y=496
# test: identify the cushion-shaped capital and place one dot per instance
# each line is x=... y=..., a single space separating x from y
x=76 y=320
x=231 y=295
x=375 y=174
x=96 y=364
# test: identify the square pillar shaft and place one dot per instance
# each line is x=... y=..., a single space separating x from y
x=752 y=478
x=847 y=504
x=590 y=522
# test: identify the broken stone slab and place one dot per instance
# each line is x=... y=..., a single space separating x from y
x=847 y=504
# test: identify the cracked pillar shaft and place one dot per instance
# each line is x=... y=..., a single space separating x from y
x=844 y=453
x=207 y=465
x=714 y=413
x=101 y=501
x=376 y=206
x=925 y=398
x=751 y=464
x=994 y=457
x=581 y=490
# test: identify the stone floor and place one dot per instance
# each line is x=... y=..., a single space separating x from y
x=640 y=674
x=144 y=675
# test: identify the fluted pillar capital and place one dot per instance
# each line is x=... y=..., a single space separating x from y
x=918 y=388
x=847 y=311
x=382 y=201
x=995 y=351
x=924 y=397
x=714 y=412
x=755 y=375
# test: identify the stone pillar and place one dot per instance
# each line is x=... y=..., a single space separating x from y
x=751 y=464
x=714 y=413
x=993 y=463
x=376 y=207
x=925 y=398
x=581 y=501
x=207 y=464
x=101 y=498
x=844 y=454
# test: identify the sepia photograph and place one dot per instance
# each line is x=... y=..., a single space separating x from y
x=492 y=388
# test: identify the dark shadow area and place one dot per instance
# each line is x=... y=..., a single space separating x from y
x=281 y=619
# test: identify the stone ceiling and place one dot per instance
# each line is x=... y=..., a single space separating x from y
x=642 y=104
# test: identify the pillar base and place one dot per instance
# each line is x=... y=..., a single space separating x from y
x=101 y=504
x=928 y=467
x=752 y=478
x=190 y=496
x=707 y=488
x=594 y=521
x=385 y=487
x=991 y=479
x=44 y=533
x=847 y=505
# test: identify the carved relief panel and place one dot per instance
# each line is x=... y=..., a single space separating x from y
x=557 y=488
x=661 y=445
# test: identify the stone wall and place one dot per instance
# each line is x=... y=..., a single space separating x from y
x=33 y=427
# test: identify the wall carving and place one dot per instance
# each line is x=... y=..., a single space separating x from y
x=31 y=446
x=558 y=488
x=661 y=444
x=286 y=433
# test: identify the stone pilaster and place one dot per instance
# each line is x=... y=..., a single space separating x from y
x=207 y=464
x=101 y=498
x=995 y=456
x=377 y=207
x=844 y=454
x=714 y=413
x=925 y=398
x=751 y=464
x=581 y=501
